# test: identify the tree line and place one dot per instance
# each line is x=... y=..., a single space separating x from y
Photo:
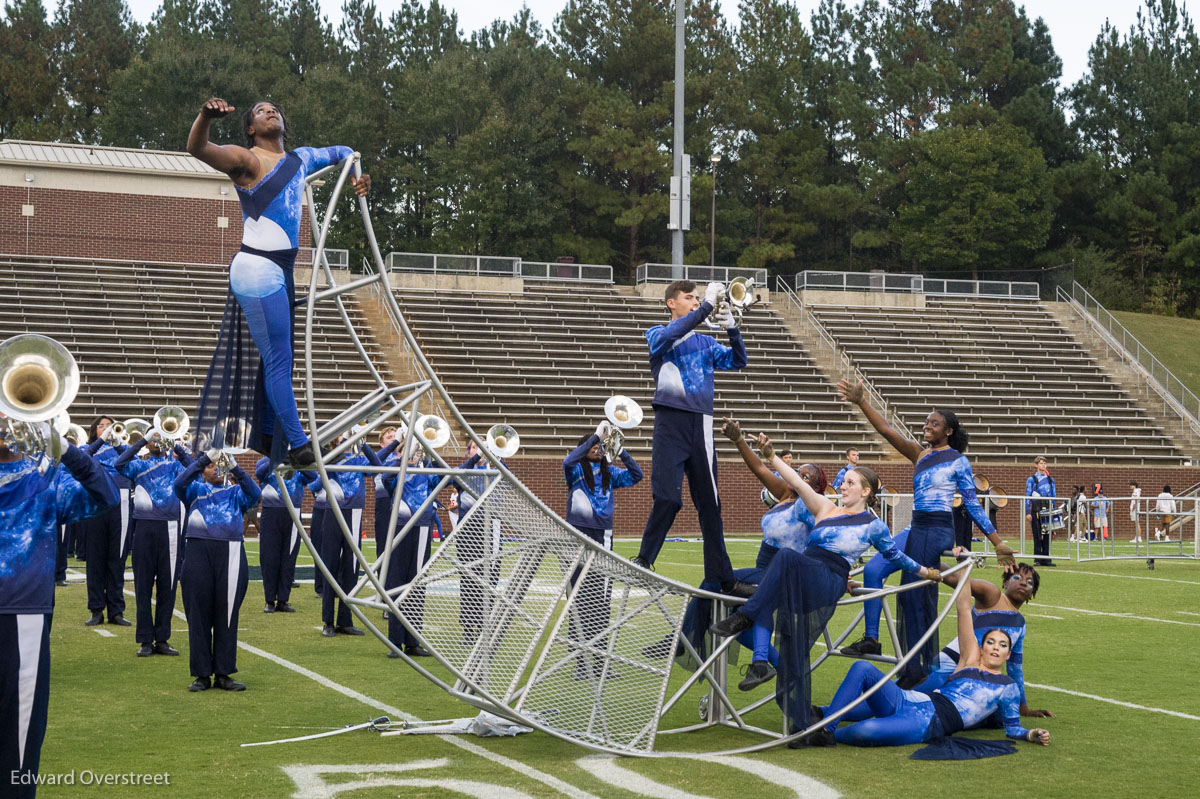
x=930 y=136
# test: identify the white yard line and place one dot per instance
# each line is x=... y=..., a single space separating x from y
x=1175 y=713
x=1127 y=577
x=1121 y=615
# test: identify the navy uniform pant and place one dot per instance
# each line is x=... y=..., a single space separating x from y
x=24 y=699
x=106 y=551
x=592 y=602
x=408 y=556
x=156 y=556
x=214 y=585
x=338 y=556
x=316 y=534
x=278 y=546
x=683 y=445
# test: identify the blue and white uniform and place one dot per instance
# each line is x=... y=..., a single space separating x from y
x=157 y=537
x=936 y=477
x=475 y=541
x=106 y=537
x=683 y=363
x=32 y=507
x=1009 y=622
x=260 y=279
x=214 y=564
x=804 y=588
x=1039 y=485
x=278 y=537
x=841 y=475
x=410 y=553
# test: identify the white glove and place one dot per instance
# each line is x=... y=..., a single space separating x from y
x=726 y=319
x=712 y=294
x=603 y=429
x=56 y=444
x=213 y=454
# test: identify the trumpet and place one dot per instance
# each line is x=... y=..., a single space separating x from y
x=134 y=430
x=738 y=296
x=502 y=440
x=225 y=461
x=624 y=414
x=69 y=430
x=171 y=423
x=38 y=380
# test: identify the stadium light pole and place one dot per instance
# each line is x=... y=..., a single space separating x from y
x=680 y=188
x=712 y=219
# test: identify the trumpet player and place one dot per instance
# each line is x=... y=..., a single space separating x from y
x=106 y=535
x=32 y=506
x=156 y=535
x=683 y=362
x=215 y=573
x=278 y=538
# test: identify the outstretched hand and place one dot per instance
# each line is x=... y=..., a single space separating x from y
x=1036 y=713
x=731 y=430
x=216 y=108
x=850 y=392
x=1006 y=558
x=1039 y=736
x=362 y=185
x=765 y=448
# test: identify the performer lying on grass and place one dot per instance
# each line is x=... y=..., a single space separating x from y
x=805 y=587
x=894 y=717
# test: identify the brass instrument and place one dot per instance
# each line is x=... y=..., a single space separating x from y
x=737 y=297
x=432 y=430
x=171 y=423
x=624 y=414
x=135 y=430
x=502 y=440
x=38 y=380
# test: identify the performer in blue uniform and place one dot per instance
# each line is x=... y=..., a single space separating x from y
x=976 y=690
x=1040 y=484
x=805 y=587
x=786 y=525
x=410 y=553
x=938 y=472
x=270 y=187
x=157 y=538
x=32 y=506
x=214 y=567
x=682 y=362
x=105 y=537
x=591 y=484
x=278 y=538
x=851 y=462
x=475 y=542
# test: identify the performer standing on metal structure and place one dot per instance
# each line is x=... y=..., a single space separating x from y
x=270 y=186
x=682 y=362
x=939 y=471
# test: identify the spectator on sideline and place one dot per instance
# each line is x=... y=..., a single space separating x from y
x=1134 y=493
x=1165 y=509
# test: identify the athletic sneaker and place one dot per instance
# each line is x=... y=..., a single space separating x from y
x=863 y=646
x=757 y=673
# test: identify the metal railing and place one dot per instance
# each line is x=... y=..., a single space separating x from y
x=547 y=270
x=1176 y=397
x=843 y=363
x=912 y=284
x=338 y=259
x=492 y=266
x=666 y=273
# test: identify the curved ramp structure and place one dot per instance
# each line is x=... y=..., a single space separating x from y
x=536 y=622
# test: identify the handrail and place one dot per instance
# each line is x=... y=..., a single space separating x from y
x=1175 y=395
x=492 y=266
x=553 y=270
x=666 y=273
x=912 y=284
x=848 y=369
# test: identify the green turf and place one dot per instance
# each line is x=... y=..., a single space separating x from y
x=111 y=712
x=1172 y=340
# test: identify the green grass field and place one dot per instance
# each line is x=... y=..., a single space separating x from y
x=1171 y=339
x=1115 y=631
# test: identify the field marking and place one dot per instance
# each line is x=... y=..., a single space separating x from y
x=1175 y=713
x=1187 y=613
x=1043 y=616
x=608 y=769
x=1129 y=577
x=1129 y=616
x=104 y=633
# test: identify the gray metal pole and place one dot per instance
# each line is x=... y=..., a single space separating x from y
x=712 y=219
x=677 y=235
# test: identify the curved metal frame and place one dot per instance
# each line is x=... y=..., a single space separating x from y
x=404 y=401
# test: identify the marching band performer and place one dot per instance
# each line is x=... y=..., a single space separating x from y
x=411 y=552
x=32 y=506
x=682 y=362
x=270 y=186
x=105 y=536
x=278 y=538
x=1040 y=484
x=475 y=543
x=214 y=567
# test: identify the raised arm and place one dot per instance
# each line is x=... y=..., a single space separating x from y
x=631 y=475
x=968 y=647
x=234 y=161
x=771 y=481
x=855 y=395
x=183 y=482
x=818 y=504
x=663 y=337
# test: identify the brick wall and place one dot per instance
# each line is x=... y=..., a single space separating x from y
x=102 y=225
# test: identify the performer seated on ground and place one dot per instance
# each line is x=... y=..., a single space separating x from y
x=894 y=717
x=786 y=525
x=214 y=570
x=270 y=186
x=999 y=610
x=278 y=536
x=805 y=587
x=938 y=472
x=591 y=484
x=682 y=362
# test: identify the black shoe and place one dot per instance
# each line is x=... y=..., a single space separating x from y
x=735 y=623
x=739 y=589
x=863 y=646
x=60 y=583
x=301 y=457
x=417 y=651
x=1048 y=563
x=283 y=607
x=295 y=584
x=645 y=564
x=163 y=648
x=120 y=620
x=822 y=737
x=757 y=673
x=145 y=651
x=393 y=654
x=97 y=618
x=909 y=682
x=349 y=629
x=816 y=712
x=199 y=684
x=328 y=631
x=661 y=648
x=227 y=683
x=270 y=608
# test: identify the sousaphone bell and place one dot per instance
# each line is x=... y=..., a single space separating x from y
x=502 y=440
x=624 y=414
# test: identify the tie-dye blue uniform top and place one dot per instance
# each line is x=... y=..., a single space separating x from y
x=153 y=479
x=788 y=525
x=32 y=507
x=272 y=208
x=594 y=508
x=977 y=694
x=937 y=475
x=1012 y=624
x=215 y=511
x=417 y=488
x=1039 y=485
x=850 y=534
x=349 y=488
x=270 y=492
x=682 y=361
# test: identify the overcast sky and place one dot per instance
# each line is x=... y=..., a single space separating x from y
x=1073 y=23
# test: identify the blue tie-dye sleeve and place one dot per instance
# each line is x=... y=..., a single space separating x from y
x=251 y=493
x=629 y=476
x=881 y=538
x=129 y=465
x=185 y=484
x=731 y=358
x=965 y=480
x=571 y=463
x=88 y=491
x=662 y=337
x=1010 y=712
x=1017 y=671
x=315 y=158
